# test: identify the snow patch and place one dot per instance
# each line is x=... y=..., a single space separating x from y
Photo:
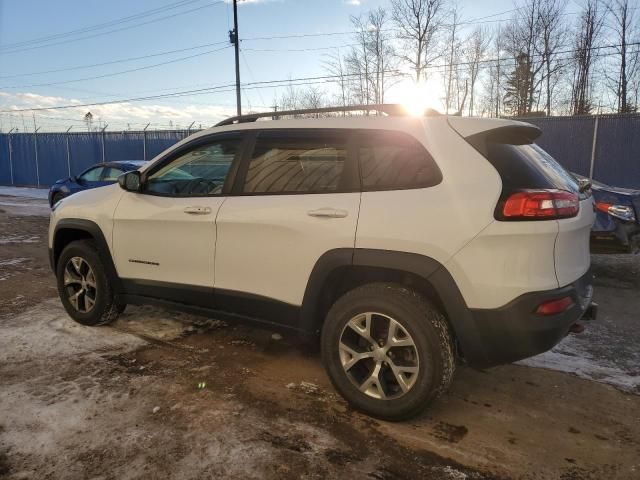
x=569 y=356
x=5 y=264
x=6 y=239
x=25 y=192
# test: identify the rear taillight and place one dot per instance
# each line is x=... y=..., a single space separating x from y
x=539 y=205
x=553 y=307
x=623 y=212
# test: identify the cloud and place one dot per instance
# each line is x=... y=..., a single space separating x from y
x=355 y=3
x=180 y=112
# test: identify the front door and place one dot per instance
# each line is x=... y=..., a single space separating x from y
x=164 y=237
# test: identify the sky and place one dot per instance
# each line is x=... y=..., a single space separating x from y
x=52 y=52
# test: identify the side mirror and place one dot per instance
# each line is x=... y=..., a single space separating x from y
x=74 y=178
x=130 y=181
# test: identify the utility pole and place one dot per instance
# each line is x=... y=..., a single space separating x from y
x=233 y=38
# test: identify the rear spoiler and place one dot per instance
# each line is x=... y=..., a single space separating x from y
x=477 y=131
x=468 y=127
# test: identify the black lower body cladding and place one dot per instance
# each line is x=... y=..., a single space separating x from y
x=514 y=331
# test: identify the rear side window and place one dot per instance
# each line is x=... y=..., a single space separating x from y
x=311 y=163
x=395 y=161
x=521 y=163
x=528 y=167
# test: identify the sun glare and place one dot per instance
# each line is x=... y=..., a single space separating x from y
x=418 y=97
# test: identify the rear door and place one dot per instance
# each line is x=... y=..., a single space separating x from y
x=297 y=197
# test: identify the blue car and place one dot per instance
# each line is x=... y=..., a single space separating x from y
x=617 y=225
x=95 y=176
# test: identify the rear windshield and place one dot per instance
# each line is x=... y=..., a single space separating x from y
x=528 y=167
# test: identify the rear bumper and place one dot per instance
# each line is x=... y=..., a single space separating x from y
x=514 y=331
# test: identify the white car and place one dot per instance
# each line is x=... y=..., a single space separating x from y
x=404 y=244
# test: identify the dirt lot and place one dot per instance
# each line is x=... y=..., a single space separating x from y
x=123 y=401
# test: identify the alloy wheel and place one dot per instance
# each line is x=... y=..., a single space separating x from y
x=378 y=355
x=80 y=284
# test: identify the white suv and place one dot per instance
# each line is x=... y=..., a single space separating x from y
x=403 y=243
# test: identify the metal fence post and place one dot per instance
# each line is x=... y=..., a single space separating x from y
x=105 y=127
x=68 y=150
x=189 y=129
x=144 y=142
x=593 y=147
x=11 y=156
x=35 y=144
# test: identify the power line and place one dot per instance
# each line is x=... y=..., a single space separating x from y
x=111 y=31
x=272 y=84
x=113 y=74
x=111 y=62
x=98 y=26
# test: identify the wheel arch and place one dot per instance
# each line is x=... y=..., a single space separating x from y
x=340 y=270
x=68 y=230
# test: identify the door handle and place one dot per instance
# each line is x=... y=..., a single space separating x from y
x=197 y=210
x=328 y=212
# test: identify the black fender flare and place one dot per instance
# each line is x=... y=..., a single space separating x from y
x=455 y=308
x=92 y=229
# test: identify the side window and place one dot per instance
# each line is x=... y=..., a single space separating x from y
x=310 y=163
x=395 y=161
x=111 y=174
x=200 y=171
x=92 y=175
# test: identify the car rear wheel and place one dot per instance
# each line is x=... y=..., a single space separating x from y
x=387 y=350
x=84 y=286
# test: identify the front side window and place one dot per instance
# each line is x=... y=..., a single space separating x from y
x=201 y=171
x=301 y=164
x=392 y=160
x=92 y=175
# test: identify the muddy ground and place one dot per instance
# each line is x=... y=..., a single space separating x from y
x=123 y=401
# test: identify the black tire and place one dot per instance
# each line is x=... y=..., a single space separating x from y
x=428 y=330
x=56 y=198
x=105 y=309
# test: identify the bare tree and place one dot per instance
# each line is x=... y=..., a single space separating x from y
x=88 y=119
x=381 y=50
x=419 y=22
x=553 y=34
x=626 y=28
x=475 y=52
x=494 y=84
x=524 y=43
x=334 y=64
x=454 y=47
x=588 y=33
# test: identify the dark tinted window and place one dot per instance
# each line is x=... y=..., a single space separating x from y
x=528 y=167
x=391 y=160
x=309 y=163
x=200 y=171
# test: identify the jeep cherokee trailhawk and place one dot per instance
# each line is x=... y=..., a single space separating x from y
x=402 y=244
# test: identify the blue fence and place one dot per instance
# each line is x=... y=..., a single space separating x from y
x=28 y=159
x=616 y=152
x=39 y=159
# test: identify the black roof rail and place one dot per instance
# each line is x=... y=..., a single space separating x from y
x=393 y=109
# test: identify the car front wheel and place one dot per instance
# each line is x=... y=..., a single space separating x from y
x=84 y=286
x=387 y=350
